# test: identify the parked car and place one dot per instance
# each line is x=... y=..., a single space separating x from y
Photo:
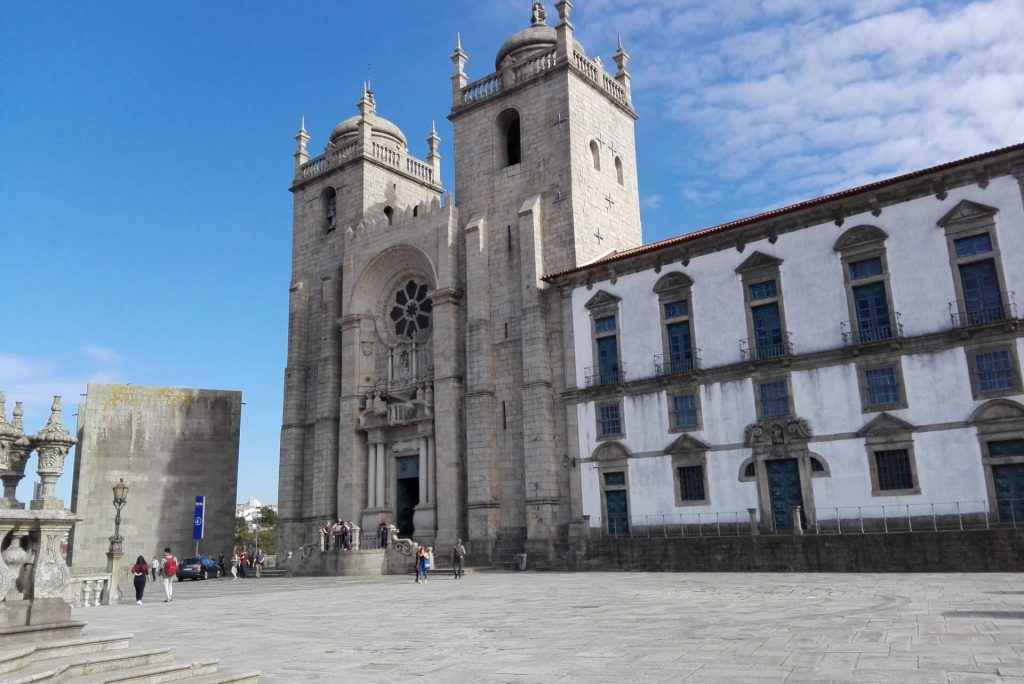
x=201 y=567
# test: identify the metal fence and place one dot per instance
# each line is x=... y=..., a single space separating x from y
x=951 y=516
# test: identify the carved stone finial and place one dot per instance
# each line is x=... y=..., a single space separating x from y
x=538 y=16
x=52 y=444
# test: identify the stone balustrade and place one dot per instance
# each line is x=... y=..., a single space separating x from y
x=392 y=156
x=89 y=590
x=532 y=68
x=34 y=576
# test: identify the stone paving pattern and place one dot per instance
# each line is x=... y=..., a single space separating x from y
x=594 y=627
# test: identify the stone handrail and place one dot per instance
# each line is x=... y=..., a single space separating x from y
x=406 y=547
x=482 y=89
x=344 y=151
x=419 y=169
x=614 y=88
x=588 y=68
x=89 y=590
x=534 y=66
x=395 y=158
x=314 y=166
x=386 y=154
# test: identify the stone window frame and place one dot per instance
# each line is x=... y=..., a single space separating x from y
x=969 y=218
x=997 y=420
x=888 y=433
x=894 y=361
x=693 y=390
x=758 y=380
x=744 y=466
x=675 y=287
x=602 y=305
x=758 y=268
x=861 y=243
x=503 y=123
x=619 y=174
x=688 y=451
x=328 y=221
x=1010 y=348
x=595 y=155
x=597 y=420
x=612 y=457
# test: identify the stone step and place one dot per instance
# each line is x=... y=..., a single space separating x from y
x=227 y=678
x=148 y=674
x=20 y=656
x=32 y=634
x=74 y=667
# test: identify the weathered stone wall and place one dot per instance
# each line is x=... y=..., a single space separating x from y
x=170 y=445
x=997 y=550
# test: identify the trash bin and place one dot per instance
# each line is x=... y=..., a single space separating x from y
x=520 y=561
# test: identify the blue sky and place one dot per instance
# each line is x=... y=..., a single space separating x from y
x=144 y=211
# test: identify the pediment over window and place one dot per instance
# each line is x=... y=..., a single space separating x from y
x=611 y=451
x=685 y=444
x=998 y=411
x=785 y=431
x=602 y=299
x=859 y=235
x=758 y=260
x=965 y=211
x=671 y=282
x=885 y=424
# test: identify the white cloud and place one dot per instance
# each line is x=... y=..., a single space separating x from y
x=101 y=354
x=822 y=96
x=653 y=201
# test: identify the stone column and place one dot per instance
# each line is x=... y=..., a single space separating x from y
x=115 y=567
x=431 y=475
x=798 y=525
x=424 y=493
x=371 y=471
x=380 y=500
x=752 y=513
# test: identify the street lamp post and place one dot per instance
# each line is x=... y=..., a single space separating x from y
x=116 y=550
x=120 y=499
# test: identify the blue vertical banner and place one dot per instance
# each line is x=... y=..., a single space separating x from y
x=199 y=518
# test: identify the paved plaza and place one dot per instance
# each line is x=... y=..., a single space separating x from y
x=593 y=627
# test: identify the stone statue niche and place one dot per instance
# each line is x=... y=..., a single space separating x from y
x=34 y=576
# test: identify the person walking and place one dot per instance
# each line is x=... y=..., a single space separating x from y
x=382 y=534
x=421 y=564
x=338 y=531
x=140 y=575
x=234 y=566
x=243 y=565
x=155 y=567
x=257 y=562
x=169 y=567
x=458 y=553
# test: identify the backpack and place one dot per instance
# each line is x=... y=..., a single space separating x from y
x=171 y=567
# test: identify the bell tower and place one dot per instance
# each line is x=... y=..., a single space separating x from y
x=545 y=175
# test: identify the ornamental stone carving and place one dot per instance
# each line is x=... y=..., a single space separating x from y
x=783 y=431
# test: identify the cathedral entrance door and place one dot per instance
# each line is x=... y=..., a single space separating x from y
x=408 y=472
x=784 y=488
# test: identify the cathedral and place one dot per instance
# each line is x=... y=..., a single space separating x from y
x=517 y=370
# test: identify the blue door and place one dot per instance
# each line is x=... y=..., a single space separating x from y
x=767 y=331
x=983 y=302
x=680 y=349
x=618 y=512
x=1009 y=482
x=608 y=359
x=784 y=490
x=872 y=312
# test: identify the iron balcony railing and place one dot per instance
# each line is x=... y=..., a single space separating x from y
x=965 y=314
x=666 y=364
x=755 y=349
x=855 y=333
x=596 y=375
x=953 y=516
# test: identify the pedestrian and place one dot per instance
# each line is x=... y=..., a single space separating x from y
x=325 y=536
x=421 y=564
x=338 y=531
x=169 y=567
x=220 y=562
x=257 y=563
x=458 y=553
x=140 y=575
x=382 y=534
x=234 y=566
x=243 y=565
x=155 y=567
x=346 y=535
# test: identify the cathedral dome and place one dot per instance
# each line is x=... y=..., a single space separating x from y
x=382 y=128
x=536 y=39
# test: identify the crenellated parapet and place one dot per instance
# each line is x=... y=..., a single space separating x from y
x=34 y=576
x=432 y=214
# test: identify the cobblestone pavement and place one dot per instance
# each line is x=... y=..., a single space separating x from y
x=594 y=627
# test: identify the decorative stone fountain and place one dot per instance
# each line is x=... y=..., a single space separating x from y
x=33 y=574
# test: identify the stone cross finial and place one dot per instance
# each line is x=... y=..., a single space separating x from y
x=539 y=16
x=621 y=57
x=52 y=444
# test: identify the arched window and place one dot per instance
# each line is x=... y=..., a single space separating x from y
x=595 y=154
x=618 y=170
x=329 y=203
x=510 y=138
x=390 y=213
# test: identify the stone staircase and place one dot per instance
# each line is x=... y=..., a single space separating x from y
x=510 y=542
x=59 y=652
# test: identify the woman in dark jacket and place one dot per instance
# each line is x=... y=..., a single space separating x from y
x=140 y=573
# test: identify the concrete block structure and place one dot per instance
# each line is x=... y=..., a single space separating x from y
x=170 y=445
x=518 y=371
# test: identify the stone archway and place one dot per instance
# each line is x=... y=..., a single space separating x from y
x=783 y=470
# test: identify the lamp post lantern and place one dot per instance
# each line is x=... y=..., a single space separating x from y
x=120 y=499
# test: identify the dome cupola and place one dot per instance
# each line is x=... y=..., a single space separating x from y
x=379 y=126
x=536 y=39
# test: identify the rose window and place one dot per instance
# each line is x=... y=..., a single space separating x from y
x=411 y=310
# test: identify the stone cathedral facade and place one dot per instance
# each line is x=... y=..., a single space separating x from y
x=425 y=351
x=518 y=370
